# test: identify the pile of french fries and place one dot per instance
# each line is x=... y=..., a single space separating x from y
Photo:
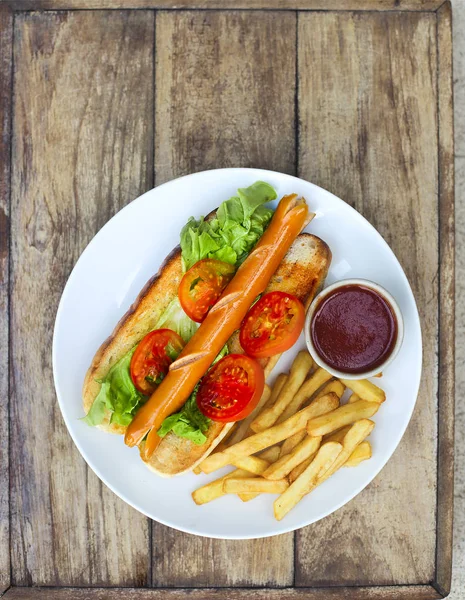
x=298 y=435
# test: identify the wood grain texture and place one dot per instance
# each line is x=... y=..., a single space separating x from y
x=6 y=62
x=225 y=87
x=82 y=148
x=446 y=303
x=224 y=91
x=367 y=101
x=421 y=592
x=326 y=5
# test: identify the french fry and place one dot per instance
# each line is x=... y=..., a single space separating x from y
x=270 y=437
x=362 y=452
x=241 y=429
x=271 y=364
x=305 y=392
x=197 y=470
x=298 y=372
x=271 y=455
x=252 y=464
x=307 y=480
x=378 y=375
x=277 y=387
x=344 y=415
x=355 y=436
x=214 y=489
x=365 y=389
x=337 y=436
x=299 y=469
x=247 y=496
x=333 y=386
x=353 y=398
x=236 y=485
x=301 y=452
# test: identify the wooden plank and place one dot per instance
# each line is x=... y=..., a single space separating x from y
x=368 y=133
x=446 y=303
x=325 y=5
x=82 y=148
x=421 y=592
x=213 y=72
x=6 y=63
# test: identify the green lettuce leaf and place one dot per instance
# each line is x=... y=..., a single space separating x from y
x=188 y=423
x=118 y=394
x=239 y=224
x=176 y=319
x=224 y=351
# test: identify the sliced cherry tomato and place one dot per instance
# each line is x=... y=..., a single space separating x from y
x=231 y=389
x=152 y=358
x=272 y=325
x=202 y=285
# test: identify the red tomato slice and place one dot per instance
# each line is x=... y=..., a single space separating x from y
x=202 y=285
x=231 y=389
x=152 y=358
x=272 y=325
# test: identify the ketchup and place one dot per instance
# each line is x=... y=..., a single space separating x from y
x=354 y=329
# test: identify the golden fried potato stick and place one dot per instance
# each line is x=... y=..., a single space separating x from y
x=281 y=468
x=344 y=415
x=307 y=481
x=333 y=386
x=259 y=485
x=270 y=437
x=298 y=373
x=361 y=453
x=353 y=398
x=355 y=436
x=365 y=389
x=271 y=455
x=214 y=489
x=299 y=469
x=305 y=392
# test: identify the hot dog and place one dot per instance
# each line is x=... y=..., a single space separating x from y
x=251 y=279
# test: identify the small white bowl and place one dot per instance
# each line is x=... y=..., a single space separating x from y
x=382 y=292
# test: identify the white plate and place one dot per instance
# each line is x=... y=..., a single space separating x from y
x=109 y=275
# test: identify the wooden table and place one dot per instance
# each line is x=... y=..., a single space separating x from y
x=98 y=106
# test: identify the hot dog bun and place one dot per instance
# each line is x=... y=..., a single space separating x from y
x=302 y=273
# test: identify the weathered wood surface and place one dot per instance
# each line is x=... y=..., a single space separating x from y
x=215 y=72
x=82 y=148
x=96 y=132
x=345 y=5
x=446 y=302
x=420 y=592
x=224 y=92
x=368 y=132
x=6 y=55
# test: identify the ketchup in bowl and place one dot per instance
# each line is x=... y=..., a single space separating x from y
x=354 y=329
